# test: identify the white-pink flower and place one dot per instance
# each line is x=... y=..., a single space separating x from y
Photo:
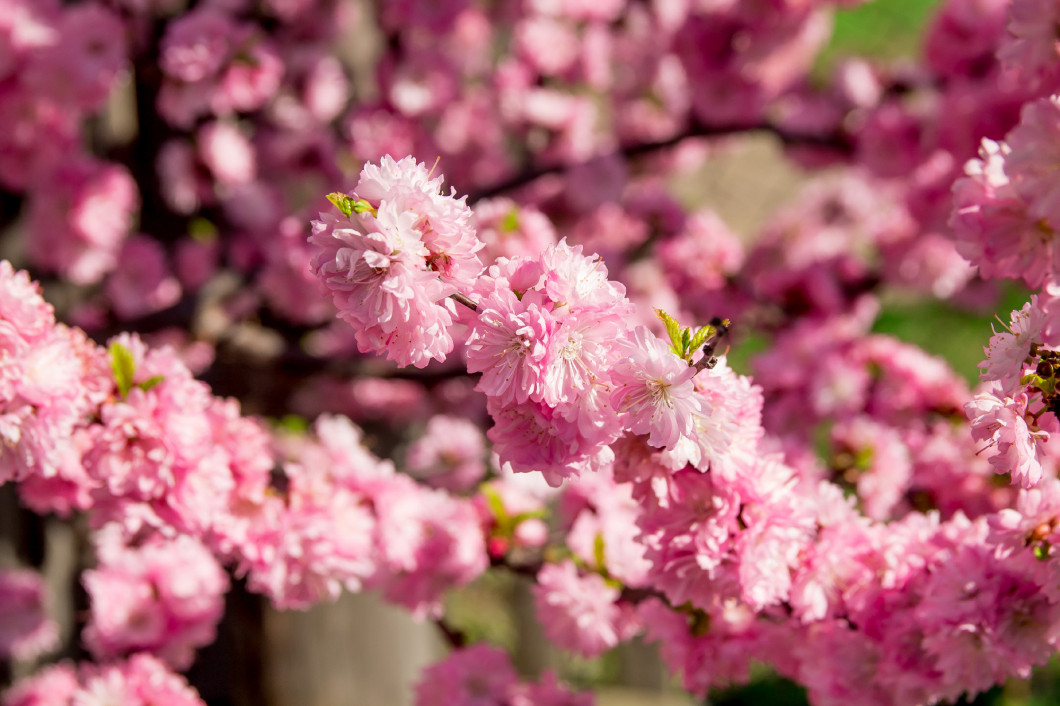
x=653 y=390
x=580 y=613
x=1002 y=422
x=508 y=344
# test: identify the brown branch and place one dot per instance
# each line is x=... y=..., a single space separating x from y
x=837 y=141
x=462 y=299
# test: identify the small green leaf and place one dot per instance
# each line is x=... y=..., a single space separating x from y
x=362 y=206
x=151 y=382
x=123 y=366
x=1031 y=379
x=202 y=230
x=292 y=423
x=1041 y=551
x=673 y=329
x=863 y=458
x=510 y=223
x=529 y=515
x=493 y=498
x=598 y=552
x=704 y=333
x=342 y=202
x=686 y=339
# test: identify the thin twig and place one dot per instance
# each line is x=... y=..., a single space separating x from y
x=721 y=327
x=837 y=141
x=462 y=299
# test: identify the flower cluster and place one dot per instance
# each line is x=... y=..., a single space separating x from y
x=401 y=250
x=854 y=515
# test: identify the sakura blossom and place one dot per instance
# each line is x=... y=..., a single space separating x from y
x=466 y=305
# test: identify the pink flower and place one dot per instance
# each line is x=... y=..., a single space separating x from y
x=54 y=685
x=142 y=283
x=508 y=343
x=79 y=222
x=377 y=273
x=991 y=223
x=227 y=153
x=533 y=437
x=480 y=675
x=549 y=692
x=25 y=631
x=196 y=45
x=142 y=681
x=580 y=613
x=1031 y=46
x=451 y=454
x=653 y=390
x=1008 y=350
x=1034 y=161
x=164 y=597
x=83 y=64
x=444 y=221
x=1002 y=422
x=429 y=542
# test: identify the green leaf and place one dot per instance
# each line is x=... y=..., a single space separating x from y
x=493 y=498
x=342 y=202
x=1041 y=552
x=863 y=458
x=362 y=206
x=293 y=423
x=151 y=382
x=673 y=329
x=123 y=366
x=529 y=515
x=202 y=230
x=704 y=333
x=510 y=223
x=685 y=340
x=1032 y=378
x=598 y=552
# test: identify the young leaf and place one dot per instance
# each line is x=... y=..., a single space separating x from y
x=598 y=552
x=123 y=366
x=493 y=498
x=293 y=423
x=150 y=382
x=342 y=202
x=673 y=329
x=362 y=206
x=510 y=222
x=701 y=337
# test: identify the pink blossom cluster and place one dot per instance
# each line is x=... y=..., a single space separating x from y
x=26 y=629
x=392 y=263
x=130 y=436
x=349 y=520
x=164 y=597
x=1005 y=217
x=855 y=515
x=141 y=681
x=484 y=675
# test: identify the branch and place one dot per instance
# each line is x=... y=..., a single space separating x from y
x=837 y=141
x=462 y=299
